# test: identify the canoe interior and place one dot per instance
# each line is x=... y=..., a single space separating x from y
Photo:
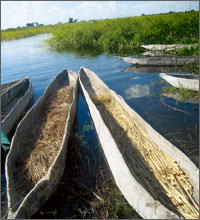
x=133 y=143
x=43 y=148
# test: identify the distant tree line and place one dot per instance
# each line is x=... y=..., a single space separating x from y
x=71 y=20
x=33 y=24
x=170 y=12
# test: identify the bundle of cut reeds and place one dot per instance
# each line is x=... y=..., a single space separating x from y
x=154 y=169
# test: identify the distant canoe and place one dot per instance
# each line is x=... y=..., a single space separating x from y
x=36 y=161
x=16 y=98
x=166 y=47
x=110 y=114
x=180 y=81
x=162 y=61
x=155 y=53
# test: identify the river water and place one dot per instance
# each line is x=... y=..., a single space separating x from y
x=178 y=122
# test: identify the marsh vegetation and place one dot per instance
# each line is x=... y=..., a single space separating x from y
x=120 y=35
x=125 y=35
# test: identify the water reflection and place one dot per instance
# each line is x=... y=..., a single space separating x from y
x=177 y=96
x=137 y=91
x=135 y=77
x=155 y=69
x=78 y=53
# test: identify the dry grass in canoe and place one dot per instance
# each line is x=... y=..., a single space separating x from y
x=153 y=168
x=43 y=142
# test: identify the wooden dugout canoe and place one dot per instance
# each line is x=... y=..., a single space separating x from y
x=182 y=81
x=47 y=125
x=161 y=61
x=16 y=98
x=166 y=47
x=128 y=171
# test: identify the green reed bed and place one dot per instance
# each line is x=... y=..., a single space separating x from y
x=185 y=51
x=192 y=51
x=126 y=34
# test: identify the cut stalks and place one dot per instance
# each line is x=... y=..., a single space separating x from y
x=155 y=170
x=43 y=142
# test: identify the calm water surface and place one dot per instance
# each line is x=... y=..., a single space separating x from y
x=30 y=57
x=177 y=122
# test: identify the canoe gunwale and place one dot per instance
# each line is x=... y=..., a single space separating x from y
x=145 y=197
x=8 y=85
x=18 y=109
x=47 y=184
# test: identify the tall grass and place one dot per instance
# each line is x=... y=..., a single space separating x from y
x=126 y=34
x=192 y=51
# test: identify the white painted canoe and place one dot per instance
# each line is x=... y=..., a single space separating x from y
x=16 y=98
x=20 y=206
x=136 y=195
x=167 y=47
x=162 y=61
x=154 y=53
x=180 y=82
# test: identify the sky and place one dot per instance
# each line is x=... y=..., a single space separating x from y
x=19 y=13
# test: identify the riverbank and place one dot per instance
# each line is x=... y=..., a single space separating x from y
x=125 y=35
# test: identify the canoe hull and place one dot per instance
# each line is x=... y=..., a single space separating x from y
x=12 y=118
x=132 y=190
x=182 y=83
x=25 y=207
x=161 y=61
x=166 y=47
